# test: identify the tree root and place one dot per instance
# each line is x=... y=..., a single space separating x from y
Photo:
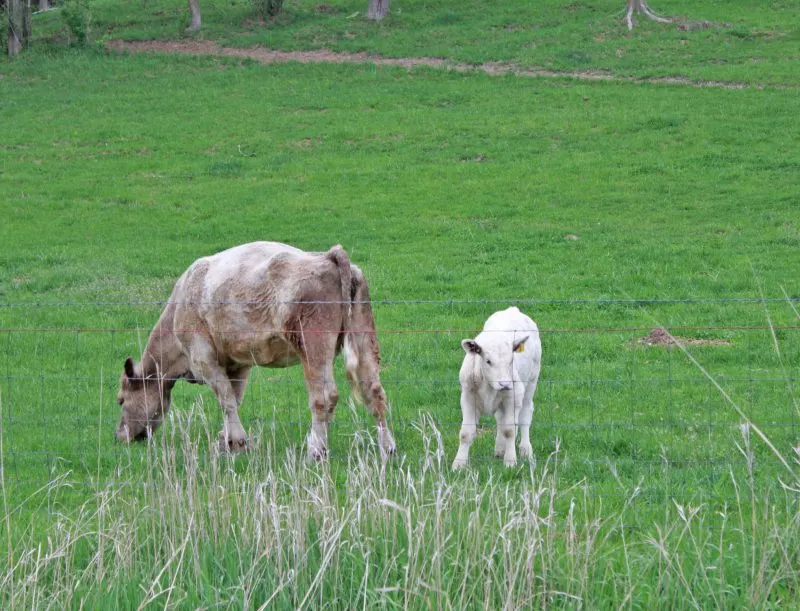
x=640 y=6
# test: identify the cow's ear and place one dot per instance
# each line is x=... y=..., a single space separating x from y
x=519 y=345
x=471 y=346
x=129 y=369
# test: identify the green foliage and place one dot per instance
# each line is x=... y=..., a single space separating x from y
x=77 y=16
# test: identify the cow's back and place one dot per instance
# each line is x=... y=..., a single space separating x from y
x=244 y=298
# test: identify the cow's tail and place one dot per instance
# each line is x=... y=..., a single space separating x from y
x=349 y=290
x=338 y=255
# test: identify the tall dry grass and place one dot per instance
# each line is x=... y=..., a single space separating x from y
x=186 y=527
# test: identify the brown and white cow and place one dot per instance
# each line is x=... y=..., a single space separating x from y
x=265 y=304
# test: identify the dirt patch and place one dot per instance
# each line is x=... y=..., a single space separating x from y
x=323 y=56
x=691 y=26
x=268 y=56
x=660 y=337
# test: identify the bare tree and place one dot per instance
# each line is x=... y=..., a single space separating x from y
x=194 y=9
x=640 y=6
x=15 y=9
x=378 y=9
x=26 y=23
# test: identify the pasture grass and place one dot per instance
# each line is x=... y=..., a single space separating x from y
x=457 y=194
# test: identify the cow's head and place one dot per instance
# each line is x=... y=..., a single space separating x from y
x=144 y=400
x=496 y=360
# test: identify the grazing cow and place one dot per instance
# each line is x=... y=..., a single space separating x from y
x=265 y=304
x=498 y=376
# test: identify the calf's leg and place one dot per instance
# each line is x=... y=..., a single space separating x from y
x=524 y=420
x=469 y=426
x=500 y=440
x=506 y=428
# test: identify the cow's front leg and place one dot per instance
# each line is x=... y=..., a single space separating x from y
x=233 y=437
x=322 y=399
x=469 y=427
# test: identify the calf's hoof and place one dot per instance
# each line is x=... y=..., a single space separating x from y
x=316 y=455
x=510 y=462
x=232 y=445
x=525 y=451
x=459 y=463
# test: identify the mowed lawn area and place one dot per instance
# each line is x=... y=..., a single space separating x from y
x=603 y=210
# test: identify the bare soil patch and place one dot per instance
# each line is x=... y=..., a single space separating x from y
x=660 y=337
x=270 y=56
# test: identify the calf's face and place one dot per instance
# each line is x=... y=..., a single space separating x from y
x=143 y=404
x=497 y=361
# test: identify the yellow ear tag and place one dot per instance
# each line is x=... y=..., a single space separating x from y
x=520 y=348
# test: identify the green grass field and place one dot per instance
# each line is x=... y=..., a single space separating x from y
x=602 y=209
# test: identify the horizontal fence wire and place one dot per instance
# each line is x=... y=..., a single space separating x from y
x=312 y=330
x=527 y=301
x=621 y=407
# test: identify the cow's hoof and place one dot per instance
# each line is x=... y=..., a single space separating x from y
x=388 y=449
x=317 y=450
x=510 y=462
x=233 y=445
x=386 y=442
x=525 y=451
x=459 y=464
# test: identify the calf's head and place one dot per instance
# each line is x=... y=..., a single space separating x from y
x=144 y=400
x=496 y=360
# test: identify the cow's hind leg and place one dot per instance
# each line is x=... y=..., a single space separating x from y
x=322 y=399
x=376 y=405
x=362 y=373
x=204 y=365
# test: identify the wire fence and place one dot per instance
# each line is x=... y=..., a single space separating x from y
x=619 y=397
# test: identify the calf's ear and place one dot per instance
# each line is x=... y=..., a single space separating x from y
x=471 y=346
x=129 y=372
x=519 y=345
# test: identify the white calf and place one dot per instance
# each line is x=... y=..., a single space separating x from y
x=498 y=376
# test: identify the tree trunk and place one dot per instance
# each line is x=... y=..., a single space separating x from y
x=194 y=9
x=26 y=23
x=378 y=9
x=640 y=6
x=15 y=21
x=44 y=5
